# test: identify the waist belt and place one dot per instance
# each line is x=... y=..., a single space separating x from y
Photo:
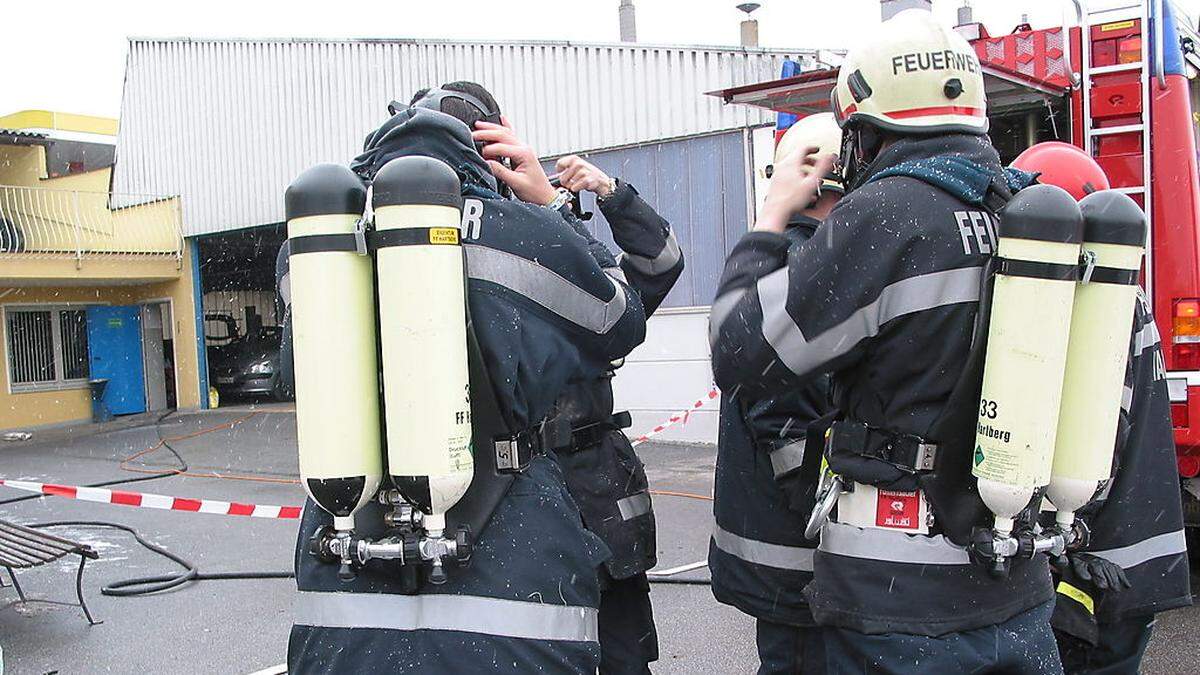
x=516 y=451
x=908 y=452
x=588 y=435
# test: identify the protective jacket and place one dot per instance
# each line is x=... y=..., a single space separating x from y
x=604 y=474
x=758 y=556
x=884 y=298
x=1137 y=521
x=544 y=314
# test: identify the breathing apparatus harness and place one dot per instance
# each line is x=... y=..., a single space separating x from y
x=938 y=465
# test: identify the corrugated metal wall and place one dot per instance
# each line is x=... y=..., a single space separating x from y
x=227 y=124
x=700 y=185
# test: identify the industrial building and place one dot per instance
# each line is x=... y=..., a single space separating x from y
x=94 y=285
x=227 y=124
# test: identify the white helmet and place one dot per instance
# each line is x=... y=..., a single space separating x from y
x=913 y=76
x=820 y=131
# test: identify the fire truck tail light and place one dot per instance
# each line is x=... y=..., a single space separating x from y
x=1185 y=337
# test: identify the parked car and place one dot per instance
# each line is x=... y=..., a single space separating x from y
x=249 y=365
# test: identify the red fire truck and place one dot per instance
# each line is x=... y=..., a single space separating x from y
x=1121 y=84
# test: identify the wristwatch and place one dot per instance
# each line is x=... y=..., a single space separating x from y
x=612 y=190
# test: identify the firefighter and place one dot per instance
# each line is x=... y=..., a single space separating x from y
x=544 y=313
x=758 y=556
x=884 y=299
x=603 y=472
x=1134 y=565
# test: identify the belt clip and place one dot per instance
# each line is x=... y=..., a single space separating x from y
x=360 y=235
x=926 y=456
x=1087 y=265
x=511 y=454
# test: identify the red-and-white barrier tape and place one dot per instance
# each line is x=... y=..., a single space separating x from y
x=680 y=417
x=147 y=500
x=153 y=501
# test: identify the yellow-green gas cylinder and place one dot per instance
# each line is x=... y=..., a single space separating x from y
x=333 y=339
x=1039 y=233
x=423 y=333
x=1114 y=236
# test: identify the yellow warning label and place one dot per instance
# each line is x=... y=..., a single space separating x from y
x=443 y=235
x=1118 y=25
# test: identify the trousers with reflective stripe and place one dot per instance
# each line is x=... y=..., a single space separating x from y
x=758 y=557
x=527 y=602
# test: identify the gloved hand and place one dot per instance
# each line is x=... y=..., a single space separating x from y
x=1105 y=575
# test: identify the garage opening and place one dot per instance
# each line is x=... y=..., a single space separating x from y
x=241 y=314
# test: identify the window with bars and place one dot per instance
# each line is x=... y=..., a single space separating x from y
x=47 y=347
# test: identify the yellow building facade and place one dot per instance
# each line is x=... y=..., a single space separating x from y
x=71 y=255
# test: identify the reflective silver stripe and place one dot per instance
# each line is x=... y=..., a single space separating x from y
x=546 y=287
x=908 y=296
x=1127 y=399
x=634 y=505
x=721 y=308
x=285 y=288
x=1171 y=543
x=616 y=273
x=664 y=261
x=788 y=458
x=763 y=553
x=1146 y=337
x=466 y=613
x=887 y=546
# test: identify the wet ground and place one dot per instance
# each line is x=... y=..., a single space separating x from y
x=238 y=627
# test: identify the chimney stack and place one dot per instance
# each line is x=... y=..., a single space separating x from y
x=965 y=14
x=890 y=8
x=628 y=18
x=750 y=25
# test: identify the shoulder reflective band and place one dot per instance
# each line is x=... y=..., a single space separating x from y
x=782 y=557
x=1078 y=596
x=322 y=243
x=634 y=505
x=414 y=236
x=443 y=611
x=1114 y=275
x=1011 y=267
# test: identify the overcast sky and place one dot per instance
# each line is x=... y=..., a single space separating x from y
x=70 y=55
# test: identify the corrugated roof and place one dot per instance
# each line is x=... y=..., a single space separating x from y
x=20 y=137
x=227 y=124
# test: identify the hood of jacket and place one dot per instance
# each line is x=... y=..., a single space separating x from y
x=419 y=131
x=964 y=165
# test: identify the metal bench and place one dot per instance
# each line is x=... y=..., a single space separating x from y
x=24 y=548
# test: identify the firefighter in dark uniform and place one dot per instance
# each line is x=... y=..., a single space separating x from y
x=545 y=313
x=884 y=299
x=759 y=557
x=1134 y=565
x=604 y=473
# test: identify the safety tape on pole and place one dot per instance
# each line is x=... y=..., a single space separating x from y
x=680 y=417
x=153 y=501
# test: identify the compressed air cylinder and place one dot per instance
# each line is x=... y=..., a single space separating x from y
x=1114 y=232
x=333 y=340
x=1039 y=236
x=423 y=333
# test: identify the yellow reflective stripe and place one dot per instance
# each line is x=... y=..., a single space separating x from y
x=1078 y=596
